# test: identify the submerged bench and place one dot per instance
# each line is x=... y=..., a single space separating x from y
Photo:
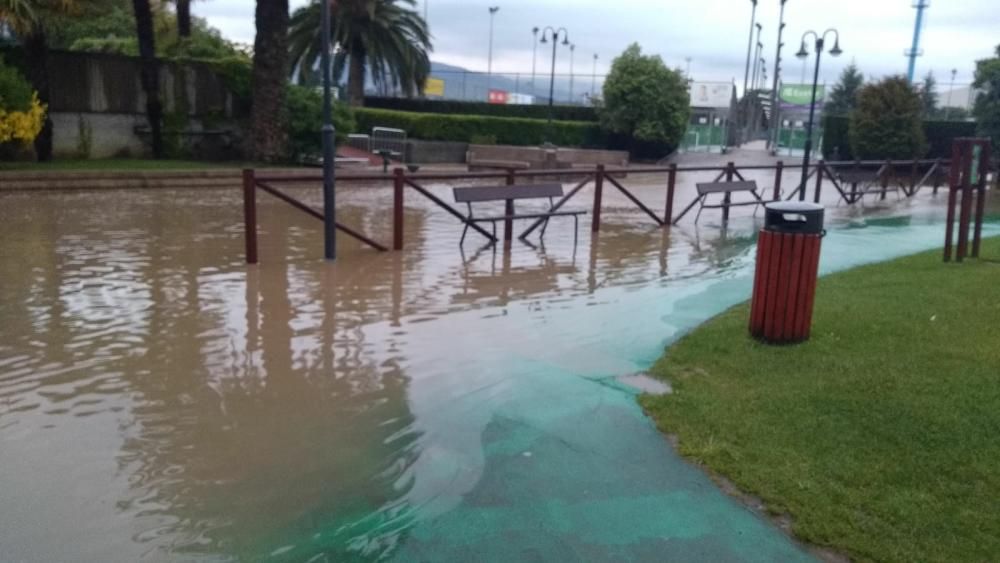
x=706 y=189
x=508 y=194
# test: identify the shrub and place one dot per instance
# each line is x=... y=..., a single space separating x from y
x=466 y=128
x=644 y=100
x=939 y=134
x=305 y=121
x=21 y=114
x=561 y=113
x=887 y=122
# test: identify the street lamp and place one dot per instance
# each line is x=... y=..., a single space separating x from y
x=534 y=56
x=328 y=133
x=687 y=73
x=803 y=53
x=756 y=61
x=489 y=61
x=554 y=34
x=572 y=49
x=746 y=73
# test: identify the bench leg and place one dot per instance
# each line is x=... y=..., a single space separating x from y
x=701 y=207
x=464 y=231
x=545 y=225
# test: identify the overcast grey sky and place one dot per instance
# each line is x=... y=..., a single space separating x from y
x=713 y=33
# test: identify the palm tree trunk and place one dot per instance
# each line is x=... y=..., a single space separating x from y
x=356 y=75
x=270 y=71
x=36 y=52
x=150 y=72
x=184 y=18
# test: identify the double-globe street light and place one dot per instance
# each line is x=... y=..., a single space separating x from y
x=550 y=34
x=802 y=54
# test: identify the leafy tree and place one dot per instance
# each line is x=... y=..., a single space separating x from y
x=645 y=100
x=386 y=38
x=987 y=109
x=929 y=95
x=888 y=122
x=269 y=135
x=305 y=119
x=844 y=96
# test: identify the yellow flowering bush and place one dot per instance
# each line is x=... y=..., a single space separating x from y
x=22 y=126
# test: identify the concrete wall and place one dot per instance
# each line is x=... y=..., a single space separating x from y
x=126 y=135
x=435 y=152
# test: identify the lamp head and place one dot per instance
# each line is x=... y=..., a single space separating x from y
x=836 y=51
x=565 y=40
x=802 y=51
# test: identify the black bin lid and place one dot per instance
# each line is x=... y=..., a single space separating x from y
x=793 y=217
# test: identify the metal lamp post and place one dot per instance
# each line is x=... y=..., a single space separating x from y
x=951 y=90
x=489 y=60
x=775 y=109
x=746 y=73
x=803 y=53
x=329 y=178
x=572 y=49
x=593 y=81
x=554 y=33
x=534 y=56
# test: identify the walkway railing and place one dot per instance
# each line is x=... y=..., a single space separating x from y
x=917 y=174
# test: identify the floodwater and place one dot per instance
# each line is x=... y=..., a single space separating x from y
x=162 y=401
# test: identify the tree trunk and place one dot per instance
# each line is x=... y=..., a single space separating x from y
x=270 y=71
x=150 y=72
x=36 y=52
x=356 y=75
x=184 y=18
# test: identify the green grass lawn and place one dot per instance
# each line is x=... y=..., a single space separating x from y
x=112 y=164
x=881 y=436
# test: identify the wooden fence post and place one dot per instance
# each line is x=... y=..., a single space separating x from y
x=671 y=187
x=598 y=194
x=398 y=183
x=779 y=169
x=727 y=199
x=885 y=179
x=250 y=214
x=820 y=168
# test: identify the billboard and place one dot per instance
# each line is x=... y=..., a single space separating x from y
x=434 y=87
x=796 y=97
x=710 y=94
x=499 y=97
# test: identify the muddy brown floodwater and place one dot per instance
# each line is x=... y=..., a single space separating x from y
x=160 y=400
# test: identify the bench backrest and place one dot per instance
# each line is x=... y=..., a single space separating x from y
x=501 y=193
x=723 y=187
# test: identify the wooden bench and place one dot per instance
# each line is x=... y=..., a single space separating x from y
x=706 y=189
x=508 y=194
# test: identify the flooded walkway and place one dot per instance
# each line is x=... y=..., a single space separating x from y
x=161 y=401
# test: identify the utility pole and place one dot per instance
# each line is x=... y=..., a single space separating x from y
x=328 y=135
x=593 y=81
x=687 y=72
x=572 y=49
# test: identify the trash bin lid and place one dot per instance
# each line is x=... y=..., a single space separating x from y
x=793 y=217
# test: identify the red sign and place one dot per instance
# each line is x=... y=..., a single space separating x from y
x=499 y=97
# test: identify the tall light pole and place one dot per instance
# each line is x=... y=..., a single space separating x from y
x=534 y=56
x=746 y=73
x=951 y=90
x=775 y=109
x=687 y=73
x=572 y=49
x=489 y=60
x=593 y=81
x=554 y=33
x=835 y=52
x=756 y=66
x=426 y=5
x=329 y=180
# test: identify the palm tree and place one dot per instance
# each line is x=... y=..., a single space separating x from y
x=270 y=71
x=28 y=20
x=150 y=71
x=184 y=18
x=387 y=38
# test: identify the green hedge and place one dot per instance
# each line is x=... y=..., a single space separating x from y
x=940 y=135
x=561 y=113
x=471 y=128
